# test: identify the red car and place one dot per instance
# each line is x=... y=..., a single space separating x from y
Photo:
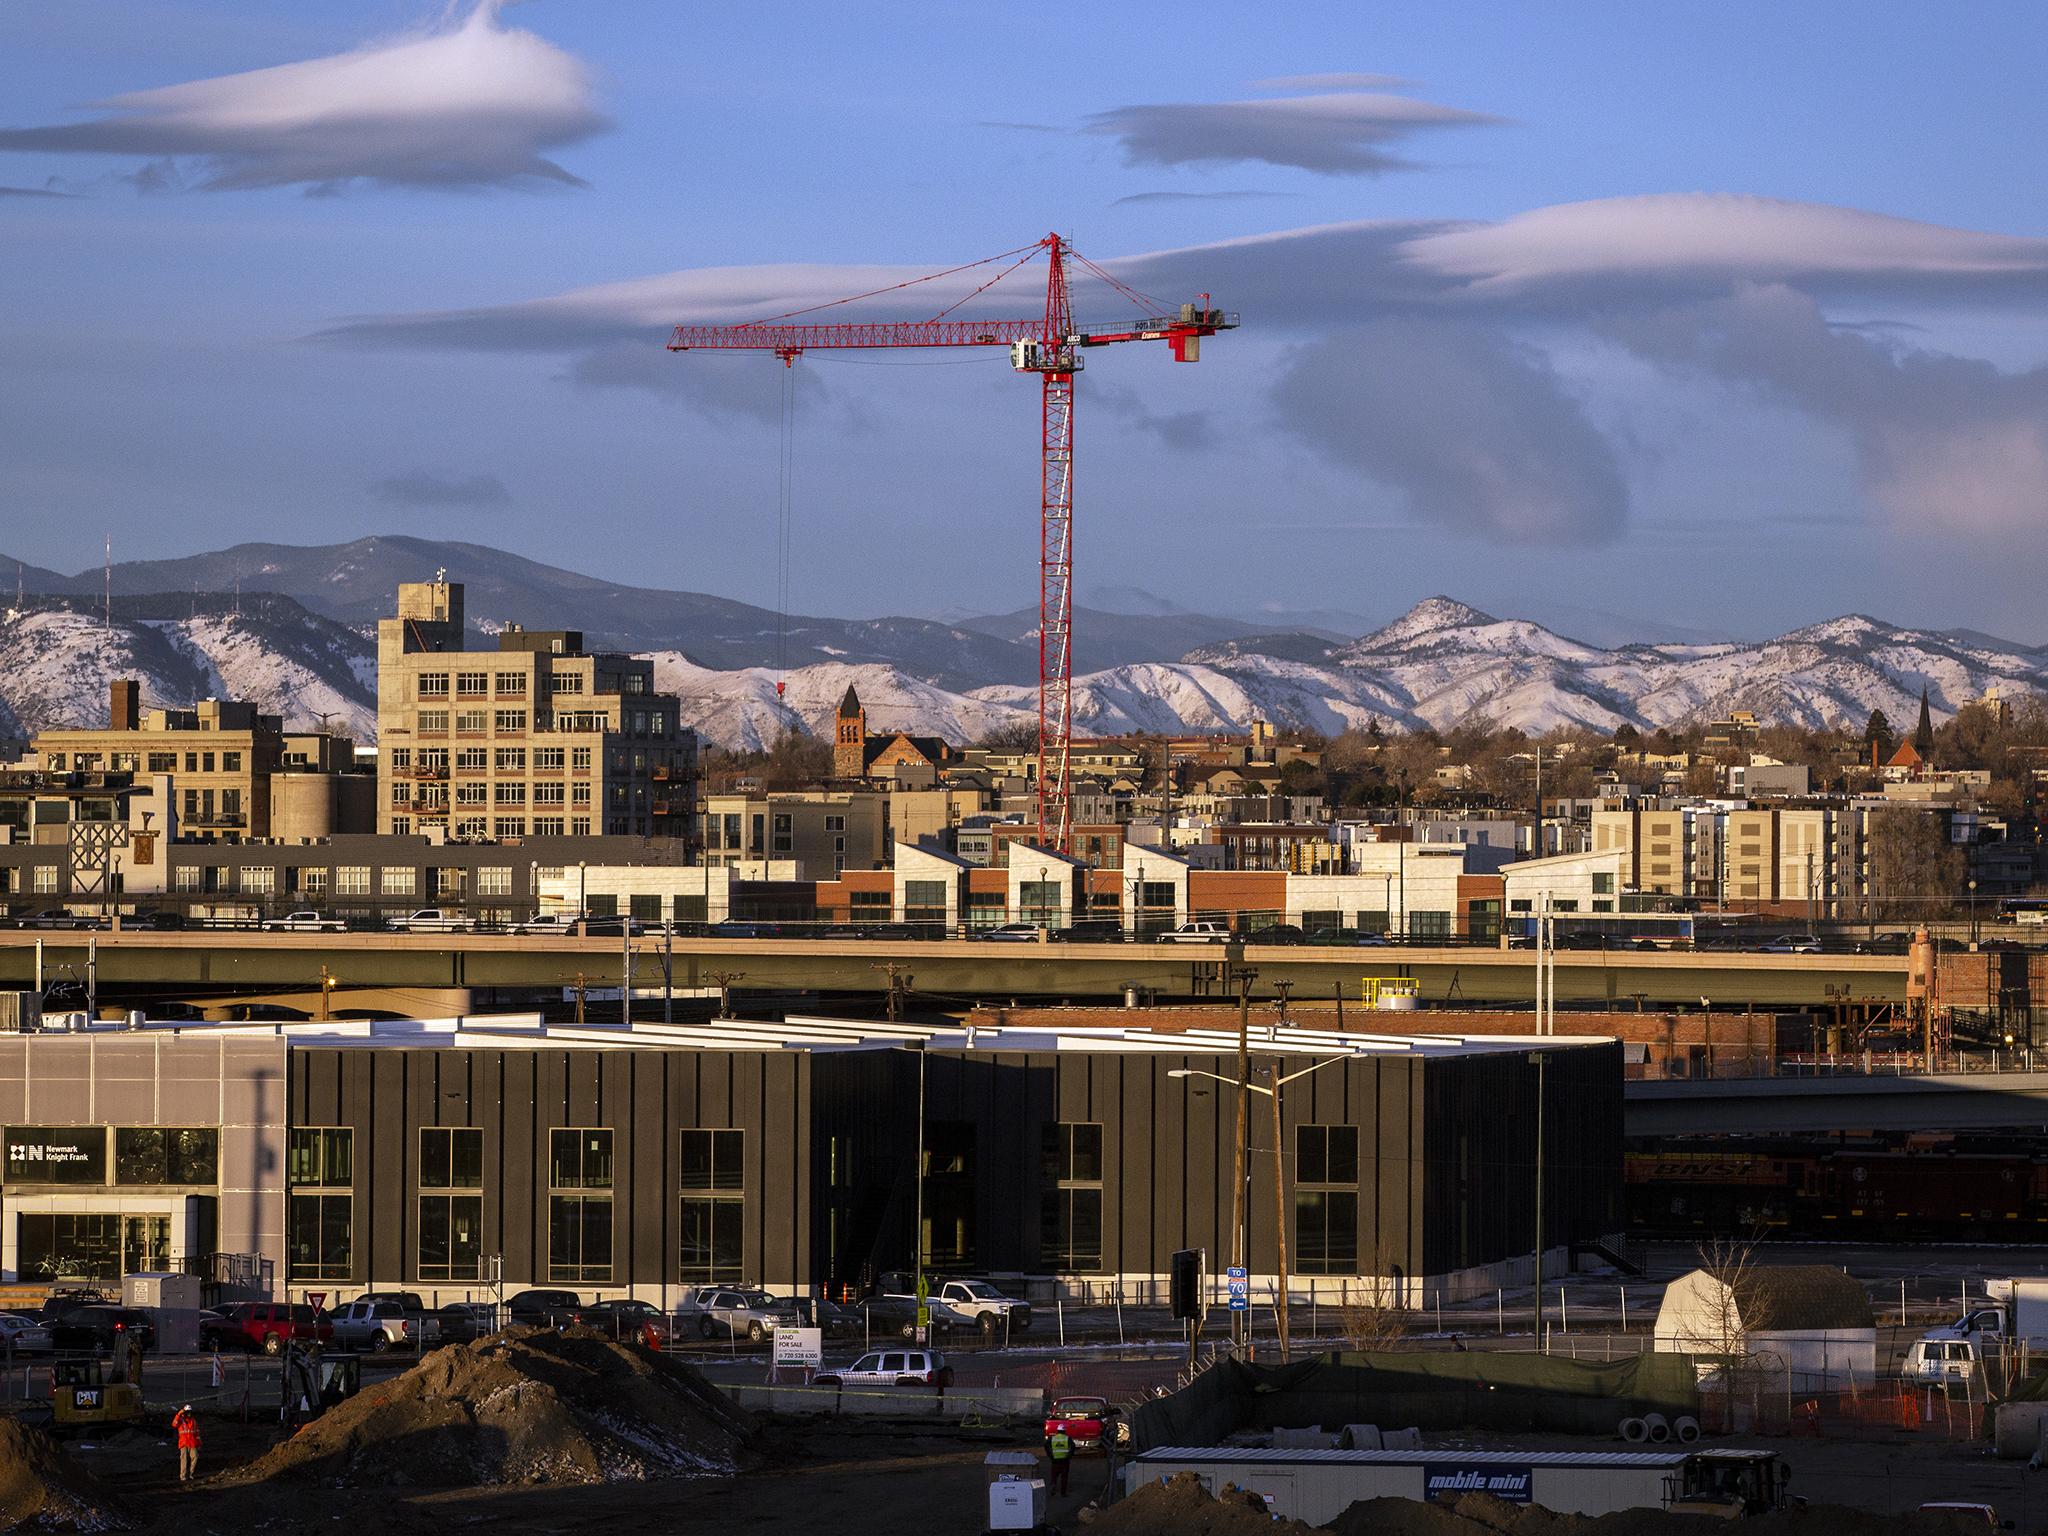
x=264 y=1325
x=1085 y=1419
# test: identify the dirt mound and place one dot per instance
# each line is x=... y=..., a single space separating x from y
x=1481 y=1514
x=42 y=1489
x=532 y=1406
x=1411 y=1517
x=1181 y=1506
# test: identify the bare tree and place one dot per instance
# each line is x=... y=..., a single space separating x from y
x=1373 y=1316
x=1914 y=870
x=1734 y=1305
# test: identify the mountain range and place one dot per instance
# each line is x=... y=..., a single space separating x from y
x=293 y=627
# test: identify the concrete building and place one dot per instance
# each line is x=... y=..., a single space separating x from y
x=537 y=738
x=99 y=840
x=823 y=832
x=219 y=755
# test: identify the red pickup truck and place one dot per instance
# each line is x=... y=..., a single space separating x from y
x=1087 y=1421
x=264 y=1325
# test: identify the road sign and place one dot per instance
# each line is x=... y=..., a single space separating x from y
x=1239 y=1283
x=316 y=1299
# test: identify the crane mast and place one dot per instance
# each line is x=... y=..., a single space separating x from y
x=1051 y=346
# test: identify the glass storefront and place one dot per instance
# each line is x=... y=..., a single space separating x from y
x=89 y=1245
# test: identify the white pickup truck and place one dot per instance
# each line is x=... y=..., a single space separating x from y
x=304 y=922
x=433 y=920
x=989 y=1307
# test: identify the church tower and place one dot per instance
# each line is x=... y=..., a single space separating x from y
x=850 y=745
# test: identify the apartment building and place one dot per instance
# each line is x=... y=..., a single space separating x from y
x=539 y=737
x=1786 y=858
x=825 y=832
x=220 y=755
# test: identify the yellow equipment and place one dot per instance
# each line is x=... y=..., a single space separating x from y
x=88 y=1395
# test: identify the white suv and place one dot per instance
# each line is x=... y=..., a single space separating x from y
x=891 y=1368
x=1204 y=932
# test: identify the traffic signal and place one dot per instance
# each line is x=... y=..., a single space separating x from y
x=1185 y=1288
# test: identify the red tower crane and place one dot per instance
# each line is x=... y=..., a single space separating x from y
x=1049 y=345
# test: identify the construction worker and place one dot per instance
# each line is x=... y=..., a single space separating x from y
x=1059 y=1449
x=188 y=1443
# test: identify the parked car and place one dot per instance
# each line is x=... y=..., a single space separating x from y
x=58 y=917
x=163 y=920
x=22 y=1335
x=1091 y=930
x=745 y=928
x=307 y=921
x=433 y=920
x=1013 y=933
x=897 y=1312
x=1790 y=944
x=1277 y=933
x=829 y=1318
x=545 y=1309
x=613 y=927
x=264 y=1325
x=1088 y=1421
x=1204 y=931
x=891 y=1368
x=988 y=1307
x=631 y=1322
x=728 y=1309
x=69 y=1298
x=101 y=1327
x=382 y=1325
x=1937 y=1361
x=465 y=1321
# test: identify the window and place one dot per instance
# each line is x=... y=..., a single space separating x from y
x=185 y=878
x=473 y=759
x=547 y=760
x=782 y=832
x=433 y=722
x=259 y=880
x=231 y=762
x=159 y=1155
x=397 y=881
x=579 y=826
x=714 y=1206
x=509 y=826
x=433 y=685
x=645 y=909
x=580 y=1206
x=566 y=682
x=313 y=880
x=511 y=760
x=924 y=901
x=475 y=792
x=451 y=1224
x=163 y=762
x=401 y=794
x=1039 y=901
x=511 y=722
x=472 y=685
x=547 y=826
x=512 y=683
x=547 y=794
x=320 y=1168
x=986 y=909
x=1603 y=884
x=472 y=722
x=494 y=880
x=46 y=880
x=1070 y=1224
x=352 y=880
x=513 y=793
x=1429 y=925
x=1326 y=1199
x=581 y=795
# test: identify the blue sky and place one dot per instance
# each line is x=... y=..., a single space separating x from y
x=1584 y=369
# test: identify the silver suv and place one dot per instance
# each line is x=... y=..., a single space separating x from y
x=891 y=1368
x=730 y=1309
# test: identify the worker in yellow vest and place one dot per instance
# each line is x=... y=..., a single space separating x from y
x=1059 y=1449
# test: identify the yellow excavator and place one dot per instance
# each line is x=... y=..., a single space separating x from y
x=91 y=1394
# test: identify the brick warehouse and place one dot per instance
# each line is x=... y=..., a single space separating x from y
x=613 y=1161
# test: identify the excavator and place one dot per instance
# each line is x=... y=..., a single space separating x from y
x=88 y=1394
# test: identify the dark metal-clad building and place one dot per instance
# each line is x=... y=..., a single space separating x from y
x=464 y=1156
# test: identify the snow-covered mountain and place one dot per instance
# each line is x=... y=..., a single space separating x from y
x=1441 y=664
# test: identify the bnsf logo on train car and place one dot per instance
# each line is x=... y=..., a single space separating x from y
x=1450 y=1480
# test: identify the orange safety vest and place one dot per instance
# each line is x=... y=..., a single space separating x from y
x=187 y=1426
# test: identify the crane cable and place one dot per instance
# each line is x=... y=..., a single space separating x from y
x=786 y=474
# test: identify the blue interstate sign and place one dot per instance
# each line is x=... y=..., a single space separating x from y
x=1240 y=1287
x=1447 y=1480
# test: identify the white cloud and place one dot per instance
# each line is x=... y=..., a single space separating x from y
x=1341 y=133
x=474 y=103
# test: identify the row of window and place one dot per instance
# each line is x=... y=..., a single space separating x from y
x=143 y=1155
x=145 y=762
x=488 y=760
x=320 y=1167
x=434 y=685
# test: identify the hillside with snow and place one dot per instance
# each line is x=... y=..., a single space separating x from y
x=1441 y=664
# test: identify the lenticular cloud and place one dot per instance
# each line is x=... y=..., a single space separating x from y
x=470 y=105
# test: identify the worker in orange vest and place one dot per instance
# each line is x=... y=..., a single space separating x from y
x=187 y=1427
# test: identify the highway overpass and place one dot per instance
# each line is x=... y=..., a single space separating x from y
x=230 y=961
x=1803 y=1106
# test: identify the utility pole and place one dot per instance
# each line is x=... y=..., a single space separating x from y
x=1240 y=1203
x=723 y=980
x=626 y=973
x=581 y=981
x=1280 y=1207
x=668 y=972
x=1538 y=1057
x=897 y=989
x=326 y=991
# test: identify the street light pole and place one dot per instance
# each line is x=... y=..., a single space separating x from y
x=1280 y=1211
x=1537 y=1058
x=1240 y=1203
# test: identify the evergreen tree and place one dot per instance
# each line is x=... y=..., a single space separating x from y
x=1878 y=733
